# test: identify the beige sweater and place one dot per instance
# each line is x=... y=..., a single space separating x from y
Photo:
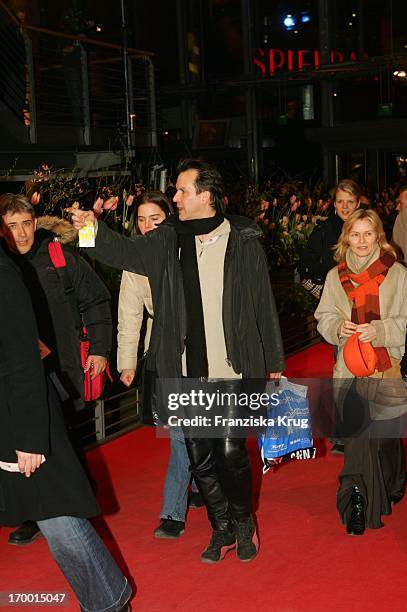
x=211 y=258
x=335 y=307
x=135 y=294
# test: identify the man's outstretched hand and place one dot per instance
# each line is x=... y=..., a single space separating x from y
x=82 y=217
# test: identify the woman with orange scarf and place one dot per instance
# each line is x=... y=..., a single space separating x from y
x=363 y=310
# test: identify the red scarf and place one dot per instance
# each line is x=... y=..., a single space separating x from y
x=365 y=296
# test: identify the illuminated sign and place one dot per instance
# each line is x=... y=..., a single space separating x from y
x=271 y=61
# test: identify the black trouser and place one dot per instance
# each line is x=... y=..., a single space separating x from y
x=221 y=469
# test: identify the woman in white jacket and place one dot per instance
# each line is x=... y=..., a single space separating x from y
x=363 y=311
x=134 y=299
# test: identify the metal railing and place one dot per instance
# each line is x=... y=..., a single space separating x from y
x=72 y=90
x=108 y=418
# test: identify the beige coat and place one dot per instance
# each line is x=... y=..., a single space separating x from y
x=335 y=307
x=400 y=234
x=135 y=294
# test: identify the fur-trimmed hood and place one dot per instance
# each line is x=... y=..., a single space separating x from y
x=61 y=227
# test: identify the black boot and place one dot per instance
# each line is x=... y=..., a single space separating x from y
x=356 y=524
x=222 y=541
x=246 y=539
x=25 y=534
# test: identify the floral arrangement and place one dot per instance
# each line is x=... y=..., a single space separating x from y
x=52 y=192
x=287 y=211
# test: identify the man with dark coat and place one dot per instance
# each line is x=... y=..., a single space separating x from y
x=59 y=316
x=40 y=475
x=215 y=321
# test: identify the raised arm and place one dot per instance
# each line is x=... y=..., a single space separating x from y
x=116 y=250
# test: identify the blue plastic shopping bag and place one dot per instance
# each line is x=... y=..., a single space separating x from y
x=289 y=422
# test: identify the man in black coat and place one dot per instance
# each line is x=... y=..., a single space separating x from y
x=59 y=316
x=40 y=475
x=215 y=321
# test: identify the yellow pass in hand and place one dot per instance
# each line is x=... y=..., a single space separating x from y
x=87 y=235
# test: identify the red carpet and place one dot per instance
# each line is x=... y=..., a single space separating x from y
x=306 y=564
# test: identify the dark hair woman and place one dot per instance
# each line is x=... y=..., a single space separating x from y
x=135 y=296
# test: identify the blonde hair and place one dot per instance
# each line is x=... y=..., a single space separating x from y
x=362 y=215
x=349 y=186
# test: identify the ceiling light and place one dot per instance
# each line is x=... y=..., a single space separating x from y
x=289 y=21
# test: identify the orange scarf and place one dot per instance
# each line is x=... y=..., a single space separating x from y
x=365 y=297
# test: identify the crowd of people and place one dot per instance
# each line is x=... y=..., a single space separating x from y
x=200 y=276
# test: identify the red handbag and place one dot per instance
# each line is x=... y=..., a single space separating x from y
x=92 y=389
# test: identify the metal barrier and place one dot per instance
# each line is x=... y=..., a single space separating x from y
x=72 y=90
x=108 y=418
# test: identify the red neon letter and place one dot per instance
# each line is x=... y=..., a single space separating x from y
x=258 y=62
x=336 y=56
x=273 y=64
x=316 y=58
x=290 y=62
x=301 y=62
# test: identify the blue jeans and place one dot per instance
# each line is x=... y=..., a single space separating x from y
x=86 y=564
x=177 y=478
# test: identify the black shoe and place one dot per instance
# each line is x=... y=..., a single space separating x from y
x=25 y=534
x=169 y=528
x=337 y=449
x=356 y=524
x=195 y=500
x=221 y=543
x=245 y=534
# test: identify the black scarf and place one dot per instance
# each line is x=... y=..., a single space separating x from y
x=196 y=354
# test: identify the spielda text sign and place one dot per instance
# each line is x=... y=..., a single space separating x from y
x=271 y=61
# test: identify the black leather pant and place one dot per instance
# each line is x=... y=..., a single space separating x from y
x=222 y=472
